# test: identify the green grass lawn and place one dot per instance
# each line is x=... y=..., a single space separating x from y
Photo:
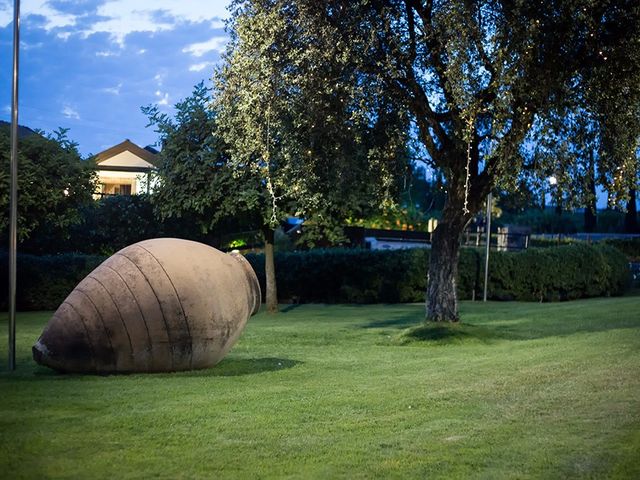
x=518 y=391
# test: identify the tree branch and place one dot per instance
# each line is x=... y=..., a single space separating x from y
x=434 y=45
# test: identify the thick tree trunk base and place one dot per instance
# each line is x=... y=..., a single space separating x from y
x=442 y=296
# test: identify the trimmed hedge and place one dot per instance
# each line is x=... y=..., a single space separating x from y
x=629 y=246
x=370 y=276
x=562 y=273
x=366 y=276
x=347 y=275
x=43 y=282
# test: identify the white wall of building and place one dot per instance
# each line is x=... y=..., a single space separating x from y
x=138 y=181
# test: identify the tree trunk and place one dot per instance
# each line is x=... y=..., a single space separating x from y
x=271 y=295
x=442 y=297
x=558 y=207
x=557 y=193
x=631 y=217
x=590 y=218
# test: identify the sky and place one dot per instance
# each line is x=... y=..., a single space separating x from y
x=89 y=65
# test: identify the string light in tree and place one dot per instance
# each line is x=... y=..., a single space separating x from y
x=467 y=181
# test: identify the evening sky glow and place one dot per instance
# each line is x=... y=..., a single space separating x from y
x=89 y=65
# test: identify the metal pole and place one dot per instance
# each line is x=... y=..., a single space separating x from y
x=13 y=201
x=486 y=256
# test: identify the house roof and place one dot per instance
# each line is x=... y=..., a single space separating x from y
x=127 y=145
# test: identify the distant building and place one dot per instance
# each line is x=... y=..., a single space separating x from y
x=379 y=239
x=126 y=169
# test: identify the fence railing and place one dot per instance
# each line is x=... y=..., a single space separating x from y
x=500 y=241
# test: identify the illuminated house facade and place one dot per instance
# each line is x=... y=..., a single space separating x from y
x=126 y=169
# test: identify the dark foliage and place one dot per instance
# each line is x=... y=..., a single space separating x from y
x=366 y=276
x=563 y=273
x=53 y=184
x=629 y=246
x=112 y=223
x=43 y=282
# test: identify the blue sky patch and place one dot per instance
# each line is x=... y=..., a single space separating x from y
x=90 y=65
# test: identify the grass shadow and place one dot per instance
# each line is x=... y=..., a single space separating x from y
x=444 y=334
x=235 y=367
x=398 y=321
x=229 y=367
x=537 y=329
x=495 y=321
x=291 y=306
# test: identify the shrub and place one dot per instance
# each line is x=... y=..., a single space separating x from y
x=366 y=276
x=619 y=275
x=348 y=275
x=114 y=222
x=43 y=282
x=629 y=246
x=562 y=273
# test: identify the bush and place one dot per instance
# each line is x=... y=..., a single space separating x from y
x=366 y=276
x=43 y=282
x=114 y=222
x=348 y=275
x=629 y=246
x=562 y=273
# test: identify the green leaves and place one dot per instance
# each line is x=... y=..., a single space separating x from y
x=298 y=116
x=193 y=177
x=53 y=182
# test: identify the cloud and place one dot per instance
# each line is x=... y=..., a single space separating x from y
x=118 y=18
x=122 y=17
x=216 y=44
x=29 y=46
x=53 y=18
x=164 y=98
x=113 y=90
x=217 y=23
x=106 y=53
x=198 y=67
x=159 y=78
x=69 y=112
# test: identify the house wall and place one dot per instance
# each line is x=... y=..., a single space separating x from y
x=138 y=181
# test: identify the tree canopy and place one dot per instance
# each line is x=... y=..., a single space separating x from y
x=318 y=146
x=53 y=183
x=477 y=78
x=193 y=180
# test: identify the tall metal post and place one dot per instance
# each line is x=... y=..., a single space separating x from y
x=486 y=255
x=13 y=198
